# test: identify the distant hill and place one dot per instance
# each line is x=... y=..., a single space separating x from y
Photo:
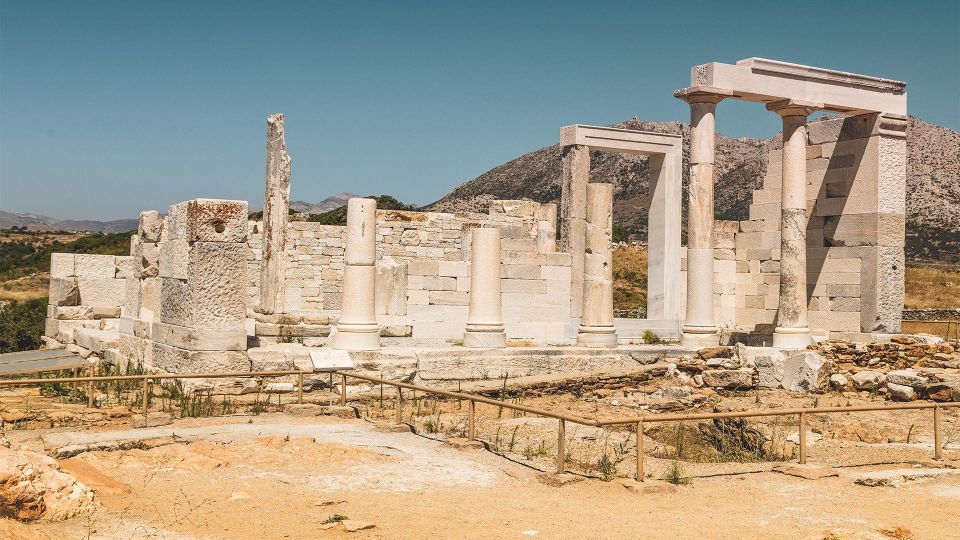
x=326 y=205
x=933 y=183
x=36 y=222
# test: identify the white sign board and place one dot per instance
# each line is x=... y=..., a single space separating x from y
x=330 y=359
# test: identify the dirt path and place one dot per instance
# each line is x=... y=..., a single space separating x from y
x=282 y=477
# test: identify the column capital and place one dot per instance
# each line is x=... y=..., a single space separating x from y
x=702 y=94
x=793 y=107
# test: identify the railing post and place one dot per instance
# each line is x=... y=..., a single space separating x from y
x=90 y=388
x=803 y=438
x=300 y=388
x=937 y=442
x=472 y=421
x=399 y=405
x=561 y=446
x=146 y=390
x=640 y=451
x=343 y=390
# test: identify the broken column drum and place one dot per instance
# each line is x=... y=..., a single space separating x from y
x=596 y=324
x=485 y=319
x=357 y=329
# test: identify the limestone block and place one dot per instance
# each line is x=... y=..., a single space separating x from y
x=214 y=295
x=131 y=298
x=423 y=267
x=805 y=371
x=95 y=266
x=391 y=287
x=62 y=265
x=101 y=291
x=453 y=269
x=868 y=380
x=151 y=226
x=520 y=271
x=901 y=392
x=174 y=258
x=177 y=360
x=149 y=298
x=849 y=127
x=82 y=312
x=557 y=259
x=449 y=298
x=200 y=339
x=768 y=361
x=528 y=286
x=146 y=258
x=63 y=292
x=125 y=267
x=208 y=220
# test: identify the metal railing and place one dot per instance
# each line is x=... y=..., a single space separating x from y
x=947 y=329
x=640 y=421
x=473 y=400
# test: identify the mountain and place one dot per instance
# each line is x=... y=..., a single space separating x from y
x=326 y=205
x=933 y=183
x=43 y=223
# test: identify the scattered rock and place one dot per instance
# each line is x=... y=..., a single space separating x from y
x=809 y=471
x=806 y=371
x=715 y=352
x=464 y=444
x=901 y=392
x=839 y=382
x=868 y=380
x=943 y=391
x=152 y=419
x=906 y=377
x=353 y=525
x=648 y=487
x=279 y=387
x=32 y=487
x=728 y=378
x=391 y=427
x=898 y=477
x=558 y=480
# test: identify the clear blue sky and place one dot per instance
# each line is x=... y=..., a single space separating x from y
x=107 y=108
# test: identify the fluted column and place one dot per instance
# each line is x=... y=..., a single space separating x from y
x=700 y=327
x=792 y=330
x=485 y=318
x=357 y=328
x=596 y=324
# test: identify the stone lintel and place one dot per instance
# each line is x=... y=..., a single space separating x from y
x=759 y=79
x=628 y=141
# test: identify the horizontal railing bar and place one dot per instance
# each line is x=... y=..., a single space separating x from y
x=476 y=398
x=108 y=378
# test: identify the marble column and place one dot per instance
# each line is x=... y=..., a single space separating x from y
x=357 y=329
x=276 y=205
x=573 y=211
x=700 y=327
x=596 y=324
x=792 y=330
x=485 y=318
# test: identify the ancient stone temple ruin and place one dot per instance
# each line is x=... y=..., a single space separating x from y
x=526 y=287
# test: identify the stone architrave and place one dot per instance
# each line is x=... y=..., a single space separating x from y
x=357 y=329
x=276 y=205
x=573 y=213
x=596 y=324
x=793 y=331
x=700 y=327
x=485 y=319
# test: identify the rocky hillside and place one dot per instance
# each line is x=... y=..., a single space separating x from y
x=933 y=183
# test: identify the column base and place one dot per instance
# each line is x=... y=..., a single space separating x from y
x=700 y=336
x=356 y=337
x=791 y=338
x=484 y=337
x=597 y=336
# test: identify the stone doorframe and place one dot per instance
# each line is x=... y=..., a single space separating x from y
x=665 y=155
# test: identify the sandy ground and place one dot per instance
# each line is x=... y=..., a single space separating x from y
x=278 y=476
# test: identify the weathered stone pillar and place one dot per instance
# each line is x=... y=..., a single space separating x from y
x=573 y=212
x=276 y=205
x=792 y=330
x=485 y=318
x=357 y=328
x=596 y=324
x=547 y=228
x=699 y=327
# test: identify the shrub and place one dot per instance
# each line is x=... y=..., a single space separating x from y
x=21 y=325
x=676 y=475
x=651 y=337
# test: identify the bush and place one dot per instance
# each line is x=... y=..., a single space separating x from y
x=651 y=337
x=22 y=324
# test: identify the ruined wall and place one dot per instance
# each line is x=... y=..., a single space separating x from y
x=85 y=298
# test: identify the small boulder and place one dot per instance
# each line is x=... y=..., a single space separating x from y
x=730 y=379
x=906 y=377
x=809 y=471
x=806 y=371
x=868 y=380
x=901 y=392
x=839 y=382
x=943 y=391
x=715 y=352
